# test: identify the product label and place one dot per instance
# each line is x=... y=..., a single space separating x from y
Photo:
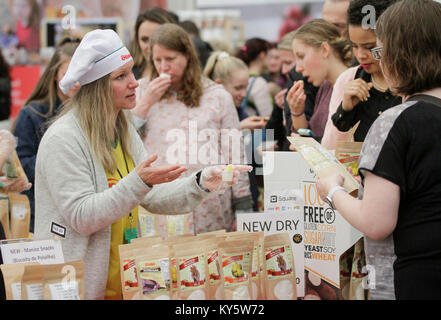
x=235 y=267
x=16 y=290
x=175 y=225
x=349 y=160
x=19 y=211
x=146 y=225
x=35 y=291
x=130 y=277
x=192 y=272
x=155 y=276
x=214 y=266
x=64 y=291
x=279 y=262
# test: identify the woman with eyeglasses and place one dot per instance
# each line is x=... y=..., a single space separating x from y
x=399 y=162
x=361 y=93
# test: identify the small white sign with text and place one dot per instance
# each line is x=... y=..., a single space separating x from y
x=41 y=251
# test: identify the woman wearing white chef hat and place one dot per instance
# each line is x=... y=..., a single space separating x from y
x=92 y=170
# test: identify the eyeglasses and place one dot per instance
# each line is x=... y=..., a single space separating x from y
x=376 y=53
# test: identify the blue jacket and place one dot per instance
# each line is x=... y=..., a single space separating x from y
x=29 y=129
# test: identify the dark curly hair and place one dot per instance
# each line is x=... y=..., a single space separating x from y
x=355 y=9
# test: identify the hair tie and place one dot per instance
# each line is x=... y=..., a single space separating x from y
x=244 y=48
x=222 y=55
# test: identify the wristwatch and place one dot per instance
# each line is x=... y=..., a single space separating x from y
x=331 y=193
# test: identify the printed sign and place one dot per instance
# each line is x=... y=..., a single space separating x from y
x=43 y=252
x=270 y=223
x=326 y=234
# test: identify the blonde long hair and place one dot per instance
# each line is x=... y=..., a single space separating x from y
x=317 y=31
x=220 y=66
x=173 y=37
x=95 y=110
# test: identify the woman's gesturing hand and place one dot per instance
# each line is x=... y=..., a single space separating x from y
x=157 y=175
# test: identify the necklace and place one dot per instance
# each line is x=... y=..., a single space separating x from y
x=377 y=86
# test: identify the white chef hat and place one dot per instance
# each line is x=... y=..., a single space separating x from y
x=99 y=53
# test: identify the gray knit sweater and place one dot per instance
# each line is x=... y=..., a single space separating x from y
x=71 y=189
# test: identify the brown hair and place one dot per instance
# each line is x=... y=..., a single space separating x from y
x=411 y=55
x=173 y=37
x=251 y=50
x=46 y=89
x=156 y=15
x=317 y=31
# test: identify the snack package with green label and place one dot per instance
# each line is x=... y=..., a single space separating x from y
x=192 y=270
x=237 y=260
x=153 y=273
x=279 y=265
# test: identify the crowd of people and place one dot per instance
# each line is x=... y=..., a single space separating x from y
x=109 y=128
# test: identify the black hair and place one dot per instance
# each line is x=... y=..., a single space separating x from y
x=355 y=9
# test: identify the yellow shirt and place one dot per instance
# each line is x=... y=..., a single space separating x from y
x=125 y=165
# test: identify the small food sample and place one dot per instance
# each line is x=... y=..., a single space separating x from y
x=164 y=75
x=227 y=174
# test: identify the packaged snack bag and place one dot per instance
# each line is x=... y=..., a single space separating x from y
x=192 y=270
x=64 y=281
x=20 y=215
x=280 y=272
x=153 y=270
x=4 y=215
x=237 y=259
x=215 y=275
x=256 y=274
x=129 y=277
x=348 y=153
x=322 y=161
x=32 y=283
x=12 y=277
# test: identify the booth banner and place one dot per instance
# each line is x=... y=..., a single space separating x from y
x=327 y=235
x=23 y=80
x=287 y=222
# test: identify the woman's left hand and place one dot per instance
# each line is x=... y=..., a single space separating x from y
x=324 y=185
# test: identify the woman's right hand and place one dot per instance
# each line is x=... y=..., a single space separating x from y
x=149 y=94
x=296 y=97
x=252 y=123
x=355 y=91
x=157 y=175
